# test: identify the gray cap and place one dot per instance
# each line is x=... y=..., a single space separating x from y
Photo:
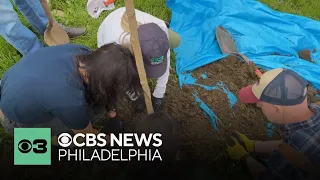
x=278 y=86
x=154 y=45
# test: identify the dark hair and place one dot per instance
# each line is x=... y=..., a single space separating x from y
x=160 y=122
x=111 y=71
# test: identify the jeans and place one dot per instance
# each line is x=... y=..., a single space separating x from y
x=13 y=31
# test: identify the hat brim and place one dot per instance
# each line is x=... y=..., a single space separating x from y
x=156 y=71
x=174 y=39
x=246 y=95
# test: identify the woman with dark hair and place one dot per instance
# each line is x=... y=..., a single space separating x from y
x=60 y=87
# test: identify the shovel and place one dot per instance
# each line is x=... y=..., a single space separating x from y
x=54 y=34
x=228 y=46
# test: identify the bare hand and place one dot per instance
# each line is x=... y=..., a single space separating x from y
x=112 y=114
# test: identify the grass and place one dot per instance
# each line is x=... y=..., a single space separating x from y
x=75 y=14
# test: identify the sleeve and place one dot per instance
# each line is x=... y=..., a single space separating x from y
x=161 y=86
x=77 y=117
x=278 y=167
x=145 y=18
x=110 y=29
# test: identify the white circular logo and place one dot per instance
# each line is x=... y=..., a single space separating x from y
x=65 y=140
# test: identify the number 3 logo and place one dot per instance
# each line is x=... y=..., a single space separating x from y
x=39 y=146
x=42 y=146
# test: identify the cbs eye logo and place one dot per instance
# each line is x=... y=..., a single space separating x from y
x=64 y=140
x=39 y=146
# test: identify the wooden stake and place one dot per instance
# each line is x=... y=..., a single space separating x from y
x=135 y=44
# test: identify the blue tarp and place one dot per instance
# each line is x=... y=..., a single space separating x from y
x=269 y=38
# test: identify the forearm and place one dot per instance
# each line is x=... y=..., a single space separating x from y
x=254 y=167
x=162 y=81
x=159 y=92
x=266 y=147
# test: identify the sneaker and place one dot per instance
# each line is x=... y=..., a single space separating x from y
x=74 y=32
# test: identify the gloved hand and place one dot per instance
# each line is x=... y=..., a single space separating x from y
x=114 y=125
x=157 y=104
x=139 y=104
x=245 y=142
x=237 y=151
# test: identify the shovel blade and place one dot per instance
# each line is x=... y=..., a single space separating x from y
x=55 y=35
x=226 y=42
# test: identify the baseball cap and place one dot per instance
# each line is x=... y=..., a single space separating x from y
x=154 y=46
x=174 y=38
x=279 y=87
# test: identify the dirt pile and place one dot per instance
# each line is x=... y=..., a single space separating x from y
x=199 y=138
x=198 y=134
x=234 y=74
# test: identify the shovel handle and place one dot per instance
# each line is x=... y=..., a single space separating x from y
x=257 y=71
x=46 y=9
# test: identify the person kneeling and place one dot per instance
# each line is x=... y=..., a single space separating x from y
x=282 y=96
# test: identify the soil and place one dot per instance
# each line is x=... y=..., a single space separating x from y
x=202 y=145
x=305 y=54
x=234 y=74
x=203 y=148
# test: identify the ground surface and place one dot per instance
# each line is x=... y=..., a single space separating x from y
x=201 y=144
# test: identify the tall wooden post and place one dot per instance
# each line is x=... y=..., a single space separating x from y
x=135 y=44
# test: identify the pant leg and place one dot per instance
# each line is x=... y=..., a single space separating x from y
x=14 y=32
x=32 y=10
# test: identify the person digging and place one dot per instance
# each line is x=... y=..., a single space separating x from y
x=282 y=96
x=155 y=39
x=63 y=87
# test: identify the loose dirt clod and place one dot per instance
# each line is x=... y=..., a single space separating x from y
x=305 y=54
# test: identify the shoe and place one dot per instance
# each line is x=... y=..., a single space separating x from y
x=74 y=32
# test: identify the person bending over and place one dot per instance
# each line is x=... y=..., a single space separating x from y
x=61 y=87
x=155 y=40
x=282 y=96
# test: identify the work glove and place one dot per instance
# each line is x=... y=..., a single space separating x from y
x=139 y=104
x=157 y=104
x=113 y=125
x=245 y=142
x=237 y=151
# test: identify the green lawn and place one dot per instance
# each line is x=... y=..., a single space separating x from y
x=75 y=14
